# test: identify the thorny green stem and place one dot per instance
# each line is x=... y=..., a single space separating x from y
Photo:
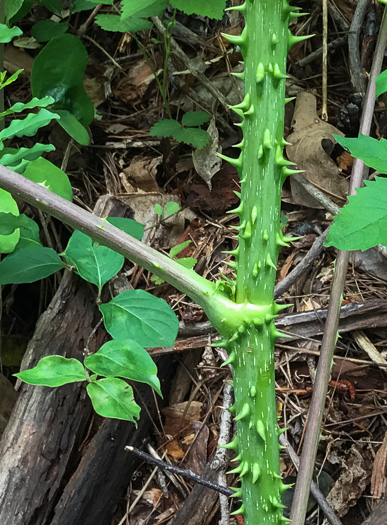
x=262 y=168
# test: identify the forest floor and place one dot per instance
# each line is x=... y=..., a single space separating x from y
x=126 y=162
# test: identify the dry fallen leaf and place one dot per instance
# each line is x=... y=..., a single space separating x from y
x=205 y=160
x=310 y=141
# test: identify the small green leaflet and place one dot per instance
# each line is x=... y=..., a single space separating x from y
x=12 y=78
x=116 y=23
x=113 y=397
x=28 y=126
x=125 y=359
x=132 y=7
x=18 y=159
x=371 y=151
x=171 y=207
x=29 y=265
x=95 y=263
x=8 y=33
x=195 y=118
x=198 y=138
x=50 y=176
x=178 y=248
x=73 y=127
x=8 y=205
x=139 y=316
x=362 y=224
x=33 y=103
x=29 y=235
x=54 y=370
x=129 y=226
x=10 y=222
x=11 y=7
x=212 y=9
x=381 y=83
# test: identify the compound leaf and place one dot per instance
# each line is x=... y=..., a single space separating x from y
x=54 y=370
x=126 y=359
x=113 y=397
x=362 y=223
x=138 y=315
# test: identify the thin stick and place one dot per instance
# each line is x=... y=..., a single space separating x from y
x=186 y=474
x=316 y=411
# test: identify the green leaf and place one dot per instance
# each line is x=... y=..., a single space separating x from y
x=133 y=7
x=198 y=138
x=9 y=222
x=140 y=316
x=11 y=7
x=116 y=23
x=54 y=370
x=125 y=359
x=8 y=33
x=58 y=71
x=28 y=126
x=29 y=235
x=29 y=265
x=46 y=30
x=8 y=205
x=187 y=262
x=33 y=103
x=362 y=224
x=10 y=79
x=95 y=263
x=129 y=226
x=171 y=128
x=371 y=151
x=195 y=118
x=81 y=5
x=212 y=9
x=178 y=248
x=381 y=83
x=156 y=9
x=20 y=12
x=12 y=157
x=165 y=128
x=171 y=208
x=50 y=176
x=113 y=397
x=53 y=5
x=73 y=127
x=158 y=209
